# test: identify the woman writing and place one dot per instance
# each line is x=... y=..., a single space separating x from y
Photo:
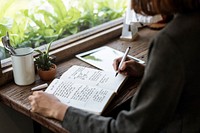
x=167 y=100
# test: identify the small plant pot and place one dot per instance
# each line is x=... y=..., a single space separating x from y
x=47 y=75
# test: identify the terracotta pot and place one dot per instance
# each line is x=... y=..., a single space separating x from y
x=47 y=75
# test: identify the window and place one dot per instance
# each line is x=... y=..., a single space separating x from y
x=78 y=25
x=37 y=22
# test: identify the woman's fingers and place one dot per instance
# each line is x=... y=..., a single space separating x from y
x=132 y=68
x=116 y=63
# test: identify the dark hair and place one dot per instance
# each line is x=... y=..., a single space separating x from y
x=165 y=7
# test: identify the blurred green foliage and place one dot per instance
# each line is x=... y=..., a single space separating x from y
x=55 y=19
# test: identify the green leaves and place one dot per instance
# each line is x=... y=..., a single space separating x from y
x=56 y=19
x=5 y=25
x=59 y=8
x=43 y=61
x=6 y=4
x=3 y=30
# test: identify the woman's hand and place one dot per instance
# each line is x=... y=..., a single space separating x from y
x=47 y=105
x=129 y=67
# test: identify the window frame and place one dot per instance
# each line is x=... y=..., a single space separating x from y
x=73 y=44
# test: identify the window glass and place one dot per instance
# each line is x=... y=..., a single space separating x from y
x=37 y=22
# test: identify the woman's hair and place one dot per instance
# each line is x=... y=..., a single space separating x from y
x=165 y=7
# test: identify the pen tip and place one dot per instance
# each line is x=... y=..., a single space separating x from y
x=116 y=74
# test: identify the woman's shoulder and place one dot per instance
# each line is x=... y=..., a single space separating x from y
x=184 y=26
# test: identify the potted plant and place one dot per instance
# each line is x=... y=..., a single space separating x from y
x=45 y=67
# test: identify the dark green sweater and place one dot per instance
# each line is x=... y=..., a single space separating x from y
x=168 y=98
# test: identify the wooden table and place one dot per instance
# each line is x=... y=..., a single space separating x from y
x=16 y=96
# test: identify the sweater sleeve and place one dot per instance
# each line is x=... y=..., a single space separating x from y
x=154 y=103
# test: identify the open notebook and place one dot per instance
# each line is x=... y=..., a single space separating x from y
x=86 y=88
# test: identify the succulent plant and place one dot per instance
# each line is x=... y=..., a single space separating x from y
x=44 y=61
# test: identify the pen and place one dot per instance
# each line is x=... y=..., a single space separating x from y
x=39 y=87
x=123 y=59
